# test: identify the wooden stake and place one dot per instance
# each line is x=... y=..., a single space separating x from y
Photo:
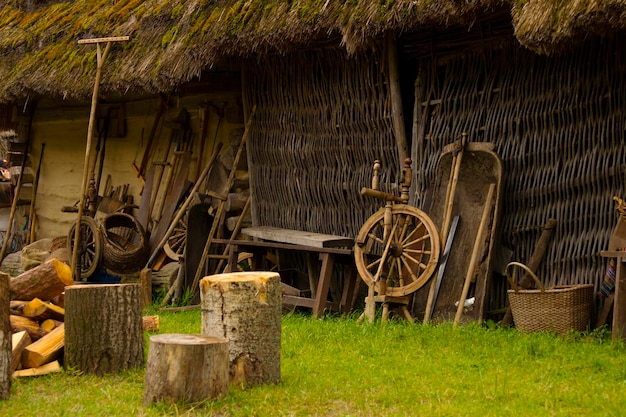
x=396 y=96
x=478 y=244
x=32 y=223
x=101 y=57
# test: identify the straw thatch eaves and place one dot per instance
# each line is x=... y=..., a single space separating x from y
x=174 y=40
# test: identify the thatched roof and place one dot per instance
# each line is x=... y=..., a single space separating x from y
x=173 y=41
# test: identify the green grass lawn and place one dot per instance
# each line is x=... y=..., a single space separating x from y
x=334 y=367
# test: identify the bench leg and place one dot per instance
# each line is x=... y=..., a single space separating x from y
x=324 y=284
x=349 y=285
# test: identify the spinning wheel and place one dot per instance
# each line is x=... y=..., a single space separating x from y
x=89 y=248
x=405 y=260
x=397 y=248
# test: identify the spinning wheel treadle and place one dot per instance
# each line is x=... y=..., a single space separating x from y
x=412 y=254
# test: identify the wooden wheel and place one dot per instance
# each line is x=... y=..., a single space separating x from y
x=90 y=247
x=175 y=245
x=411 y=257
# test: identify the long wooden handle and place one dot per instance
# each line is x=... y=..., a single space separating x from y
x=477 y=246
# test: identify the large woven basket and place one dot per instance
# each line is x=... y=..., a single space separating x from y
x=557 y=309
x=125 y=245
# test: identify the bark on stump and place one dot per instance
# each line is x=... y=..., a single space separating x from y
x=103 y=327
x=6 y=356
x=186 y=367
x=245 y=308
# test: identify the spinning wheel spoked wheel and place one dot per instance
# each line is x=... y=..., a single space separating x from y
x=406 y=259
x=89 y=248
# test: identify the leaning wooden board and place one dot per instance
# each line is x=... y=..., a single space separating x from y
x=480 y=167
x=298 y=237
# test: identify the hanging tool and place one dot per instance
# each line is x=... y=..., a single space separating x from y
x=139 y=171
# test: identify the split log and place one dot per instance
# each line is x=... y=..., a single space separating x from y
x=245 y=308
x=186 y=367
x=151 y=323
x=45 y=281
x=41 y=370
x=103 y=327
x=236 y=201
x=19 y=342
x=5 y=338
x=20 y=323
x=47 y=349
x=49 y=325
x=41 y=310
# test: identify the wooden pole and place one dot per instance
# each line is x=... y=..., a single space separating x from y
x=31 y=228
x=396 y=97
x=101 y=57
x=475 y=252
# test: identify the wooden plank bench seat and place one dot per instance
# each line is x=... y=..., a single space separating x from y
x=327 y=248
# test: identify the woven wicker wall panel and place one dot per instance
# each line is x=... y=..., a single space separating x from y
x=558 y=125
x=321 y=120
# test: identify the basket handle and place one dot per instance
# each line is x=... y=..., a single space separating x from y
x=528 y=271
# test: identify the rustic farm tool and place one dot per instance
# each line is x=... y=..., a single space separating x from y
x=32 y=215
x=442 y=267
x=182 y=209
x=455 y=168
x=101 y=57
x=478 y=244
x=398 y=241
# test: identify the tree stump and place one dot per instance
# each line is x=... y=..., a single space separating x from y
x=186 y=367
x=245 y=308
x=103 y=327
x=6 y=357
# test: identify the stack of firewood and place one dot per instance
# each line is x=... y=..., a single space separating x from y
x=37 y=317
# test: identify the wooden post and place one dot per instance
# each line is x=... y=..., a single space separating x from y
x=103 y=327
x=6 y=357
x=245 y=308
x=186 y=367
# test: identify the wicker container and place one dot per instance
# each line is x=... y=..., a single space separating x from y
x=125 y=246
x=558 y=309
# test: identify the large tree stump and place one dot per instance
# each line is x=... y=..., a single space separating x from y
x=245 y=308
x=103 y=327
x=6 y=356
x=186 y=367
x=45 y=281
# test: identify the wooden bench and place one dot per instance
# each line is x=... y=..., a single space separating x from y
x=326 y=247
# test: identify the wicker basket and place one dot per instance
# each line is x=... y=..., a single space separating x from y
x=125 y=246
x=558 y=309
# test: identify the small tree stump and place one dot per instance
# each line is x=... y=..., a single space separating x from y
x=245 y=308
x=103 y=327
x=186 y=367
x=6 y=356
